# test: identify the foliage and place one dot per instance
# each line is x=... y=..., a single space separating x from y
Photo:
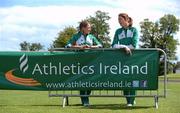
x=100 y=27
x=26 y=46
x=160 y=34
x=64 y=36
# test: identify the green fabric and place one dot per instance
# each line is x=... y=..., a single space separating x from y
x=75 y=37
x=125 y=38
x=85 y=100
x=130 y=100
x=79 y=70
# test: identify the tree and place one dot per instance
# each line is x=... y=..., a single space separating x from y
x=161 y=35
x=150 y=34
x=178 y=65
x=26 y=46
x=100 y=27
x=64 y=36
x=169 y=25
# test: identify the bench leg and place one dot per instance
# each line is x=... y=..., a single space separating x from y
x=156 y=101
x=64 y=102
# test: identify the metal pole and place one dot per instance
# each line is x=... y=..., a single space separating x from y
x=156 y=101
x=64 y=101
x=165 y=73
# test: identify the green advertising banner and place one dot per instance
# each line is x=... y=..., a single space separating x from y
x=79 y=70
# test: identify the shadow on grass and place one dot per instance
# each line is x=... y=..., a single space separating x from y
x=30 y=105
x=98 y=106
x=113 y=106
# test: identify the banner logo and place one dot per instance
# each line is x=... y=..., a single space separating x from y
x=23 y=63
x=10 y=75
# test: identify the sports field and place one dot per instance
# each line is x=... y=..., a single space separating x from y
x=39 y=102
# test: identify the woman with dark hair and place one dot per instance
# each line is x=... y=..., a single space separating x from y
x=83 y=39
x=126 y=38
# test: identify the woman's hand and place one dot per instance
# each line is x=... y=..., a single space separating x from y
x=95 y=46
x=77 y=46
x=81 y=46
x=128 y=50
x=86 y=46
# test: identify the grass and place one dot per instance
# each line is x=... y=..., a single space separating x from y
x=172 y=77
x=39 y=102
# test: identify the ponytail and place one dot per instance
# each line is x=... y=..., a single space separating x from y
x=127 y=18
x=130 y=22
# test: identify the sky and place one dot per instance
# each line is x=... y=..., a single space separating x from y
x=39 y=21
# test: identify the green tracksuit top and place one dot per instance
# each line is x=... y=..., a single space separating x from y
x=125 y=37
x=80 y=39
